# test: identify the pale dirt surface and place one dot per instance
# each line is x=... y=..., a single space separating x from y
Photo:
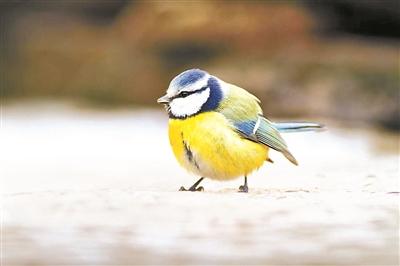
x=85 y=187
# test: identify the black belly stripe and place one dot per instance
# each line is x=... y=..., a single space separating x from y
x=189 y=153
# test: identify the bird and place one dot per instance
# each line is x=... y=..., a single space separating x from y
x=217 y=130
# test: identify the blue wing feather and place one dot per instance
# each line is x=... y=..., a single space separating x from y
x=264 y=133
x=246 y=127
x=242 y=109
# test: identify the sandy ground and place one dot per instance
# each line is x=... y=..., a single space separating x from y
x=85 y=187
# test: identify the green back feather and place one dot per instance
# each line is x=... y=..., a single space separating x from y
x=241 y=106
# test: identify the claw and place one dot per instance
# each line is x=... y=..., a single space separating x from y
x=244 y=189
x=194 y=187
x=191 y=189
x=200 y=189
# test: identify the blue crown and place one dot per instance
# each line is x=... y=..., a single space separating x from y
x=189 y=77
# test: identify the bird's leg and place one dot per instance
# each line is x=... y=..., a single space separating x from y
x=194 y=187
x=244 y=188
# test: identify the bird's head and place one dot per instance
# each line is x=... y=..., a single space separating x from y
x=192 y=92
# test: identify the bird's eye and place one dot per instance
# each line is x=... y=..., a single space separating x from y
x=184 y=94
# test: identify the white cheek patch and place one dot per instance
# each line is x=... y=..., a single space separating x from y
x=181 y=107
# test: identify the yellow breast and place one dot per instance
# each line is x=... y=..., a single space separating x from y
x=206 y=144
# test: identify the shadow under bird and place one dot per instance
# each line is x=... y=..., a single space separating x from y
x=217 y=130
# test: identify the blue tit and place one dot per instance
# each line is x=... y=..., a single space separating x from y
x=217 y=130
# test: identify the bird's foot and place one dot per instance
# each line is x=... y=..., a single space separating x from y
x=193 y=189
x=243 y=189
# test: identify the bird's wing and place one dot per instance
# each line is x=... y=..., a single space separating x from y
x=242 y=109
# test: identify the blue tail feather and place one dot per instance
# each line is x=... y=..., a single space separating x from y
x=288 y=127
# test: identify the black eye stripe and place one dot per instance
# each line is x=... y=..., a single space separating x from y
x=203 y=88
x=185 y=94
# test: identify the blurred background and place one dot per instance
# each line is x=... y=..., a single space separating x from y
x=87 y=176
x=336 y=59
